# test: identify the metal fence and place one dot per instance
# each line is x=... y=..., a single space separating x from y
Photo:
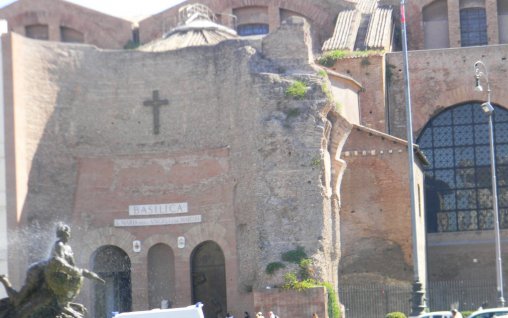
x=376 y=300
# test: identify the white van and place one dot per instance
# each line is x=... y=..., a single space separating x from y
x=193 y=311
x=437 y=314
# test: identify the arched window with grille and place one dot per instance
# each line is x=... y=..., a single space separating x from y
x=458 y=188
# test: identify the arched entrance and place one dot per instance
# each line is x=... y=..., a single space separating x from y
x=161 y=276
x=114 y=266
x=209 y=279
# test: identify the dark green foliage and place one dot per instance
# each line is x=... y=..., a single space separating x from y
x=294 y=256
x=273 y=267
x=131 y=45
x=293 y=112
x=395 y=314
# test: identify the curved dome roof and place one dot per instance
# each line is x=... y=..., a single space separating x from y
x=198 y=29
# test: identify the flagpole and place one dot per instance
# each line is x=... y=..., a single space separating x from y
x=417 y=304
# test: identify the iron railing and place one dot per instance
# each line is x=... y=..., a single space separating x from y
x=376 y=300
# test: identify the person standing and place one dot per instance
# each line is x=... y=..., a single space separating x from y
x=456 y=313
x=314 y=315
x=272 y=315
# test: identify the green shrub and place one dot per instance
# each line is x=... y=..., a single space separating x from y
x=466 y=313
x=292 y=282
x=395 y=314
x=306 y=271
x=322 y=73
x=273 y=267
x=294 y=256
x=297 y=90
x=329 y=58
x=333 y=301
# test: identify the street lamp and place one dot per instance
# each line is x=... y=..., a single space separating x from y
x=481 y=73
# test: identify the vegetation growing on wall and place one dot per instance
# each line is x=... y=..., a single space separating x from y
x=329 y=58
x=303 y=278
x=292 y=112
x=294 y=256
x=273 y=267
x=297 y=90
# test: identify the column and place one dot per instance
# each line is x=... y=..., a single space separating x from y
x=492 y=22
x=454 y=23
x=273 y=18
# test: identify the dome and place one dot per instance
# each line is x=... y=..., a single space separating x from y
x=197 y=27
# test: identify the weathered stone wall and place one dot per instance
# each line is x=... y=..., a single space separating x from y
x=250 y=159
x=99 y=29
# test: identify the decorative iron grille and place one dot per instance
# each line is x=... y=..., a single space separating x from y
x=458 y=189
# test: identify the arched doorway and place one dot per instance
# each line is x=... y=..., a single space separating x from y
x=161 y=276
x=114 y=266
x=209 y=279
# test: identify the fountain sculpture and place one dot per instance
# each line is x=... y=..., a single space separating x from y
x=50 y=285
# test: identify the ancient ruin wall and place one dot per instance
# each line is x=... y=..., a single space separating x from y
x=74 y=101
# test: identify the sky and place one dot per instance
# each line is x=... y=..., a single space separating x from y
x=121 y=8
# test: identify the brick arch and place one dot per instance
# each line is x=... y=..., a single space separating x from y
x=453 y=97
x=424 y=3
x=445 y=99
x=210 y=232
x=193 y=237
x=94 y=239
x=167 y=238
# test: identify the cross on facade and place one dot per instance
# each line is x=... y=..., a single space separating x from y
x=156 y=103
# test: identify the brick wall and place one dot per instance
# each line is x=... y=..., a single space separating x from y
x=375 y=216
x=370 y=73
x=440 y=79
x=290 y=303
x=98 y=29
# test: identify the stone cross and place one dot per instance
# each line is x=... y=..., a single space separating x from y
x=156 y=103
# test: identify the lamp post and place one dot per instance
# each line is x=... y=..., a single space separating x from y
x=481 y=73
x=418 y=293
